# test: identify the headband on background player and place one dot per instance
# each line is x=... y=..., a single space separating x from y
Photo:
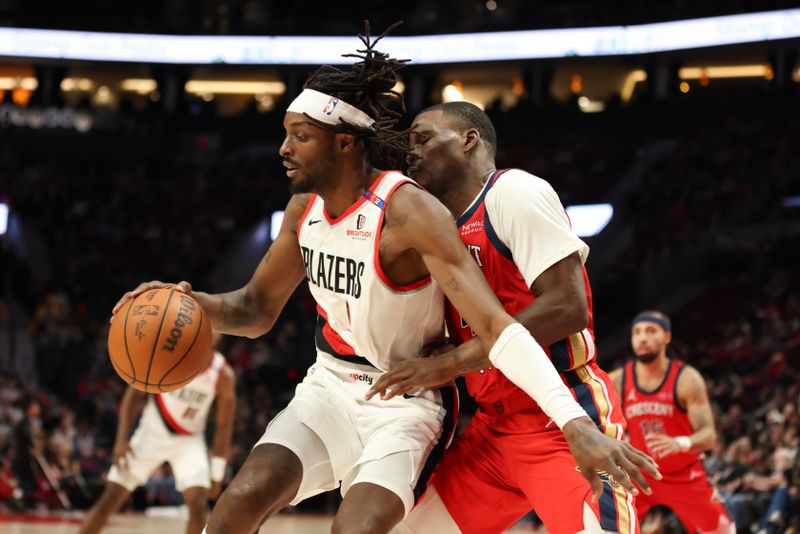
x=328 y=109
x=663 y=322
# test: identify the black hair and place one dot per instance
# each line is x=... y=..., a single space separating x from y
x=467 y=116
x=368 y=85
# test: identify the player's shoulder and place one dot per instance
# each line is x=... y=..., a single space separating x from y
x=689 y=378
x=299 y=202
x=517 y=183
x=409 y=198
x=617 y=373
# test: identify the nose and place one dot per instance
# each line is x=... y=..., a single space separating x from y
x=284 y=150
x=411 y=157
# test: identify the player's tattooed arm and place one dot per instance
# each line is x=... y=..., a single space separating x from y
x=433 y=235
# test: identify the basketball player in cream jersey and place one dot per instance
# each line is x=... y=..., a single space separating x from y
x=171 y=429
x=377 y=253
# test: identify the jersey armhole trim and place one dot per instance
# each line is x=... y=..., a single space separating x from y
x=376 y=257
x=311 y=202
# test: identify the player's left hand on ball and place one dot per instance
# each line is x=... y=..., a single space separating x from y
x=214 y=491
x=412 y=374
x=597 y=455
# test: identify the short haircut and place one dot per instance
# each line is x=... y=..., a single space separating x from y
x=467 y=116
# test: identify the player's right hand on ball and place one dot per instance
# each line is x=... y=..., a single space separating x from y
x=183 y=287
x=119 y=457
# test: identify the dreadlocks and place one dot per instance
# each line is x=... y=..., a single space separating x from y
x=368 y=85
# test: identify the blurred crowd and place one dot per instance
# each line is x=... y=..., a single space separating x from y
x=710 y=216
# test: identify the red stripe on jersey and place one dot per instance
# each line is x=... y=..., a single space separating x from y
x=173 y=424
x=305 y=213
x=377 y=258
x=333 y=338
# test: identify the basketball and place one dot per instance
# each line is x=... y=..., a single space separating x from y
x=159 y=341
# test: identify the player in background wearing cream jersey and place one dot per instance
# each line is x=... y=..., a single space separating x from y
x=171 y=429
x=511 y=458
x=669 y=416
x=377 y=252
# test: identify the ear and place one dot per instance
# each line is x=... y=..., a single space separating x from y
x=345 y=143
x=471 y=139
x=667 y=338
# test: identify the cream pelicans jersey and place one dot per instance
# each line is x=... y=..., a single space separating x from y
x=185 y=410
x=363 y=317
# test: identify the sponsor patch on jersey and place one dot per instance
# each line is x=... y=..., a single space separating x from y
x=471 y=228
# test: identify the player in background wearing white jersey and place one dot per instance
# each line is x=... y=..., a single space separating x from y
x=171 y=429
x=339 y=133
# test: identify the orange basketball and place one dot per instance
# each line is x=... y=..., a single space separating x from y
x=160 y=341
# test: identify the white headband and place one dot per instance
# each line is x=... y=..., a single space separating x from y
x=329 y=110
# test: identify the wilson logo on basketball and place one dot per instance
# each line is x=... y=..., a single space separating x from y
x=183 y=318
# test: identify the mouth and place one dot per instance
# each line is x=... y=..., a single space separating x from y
x=291 y=170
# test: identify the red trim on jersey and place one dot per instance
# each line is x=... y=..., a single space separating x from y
x=376 y=257
x=333 y=338
x=355 y=205
x=168 y=417
x=305 y=213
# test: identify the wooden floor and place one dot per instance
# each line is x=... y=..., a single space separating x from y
x=165 y=521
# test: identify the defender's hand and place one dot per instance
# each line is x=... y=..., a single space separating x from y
x=412 y=374
x=598 y=455
x=183 y=287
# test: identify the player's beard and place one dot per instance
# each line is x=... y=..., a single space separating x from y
x=314 y=182
x=647 y=357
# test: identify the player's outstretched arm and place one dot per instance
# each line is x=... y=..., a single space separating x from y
x=223 y=431
x=692 y=394
x=252 y=310
x=560 y=309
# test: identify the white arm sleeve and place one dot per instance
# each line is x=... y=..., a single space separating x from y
x=520 y=358
x=530 y=220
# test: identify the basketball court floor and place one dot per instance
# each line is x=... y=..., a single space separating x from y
x=166 y=522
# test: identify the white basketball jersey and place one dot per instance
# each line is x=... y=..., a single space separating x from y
x=361 y=313
x=185 y=410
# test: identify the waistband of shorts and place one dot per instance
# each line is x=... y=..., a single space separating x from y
x=342 y=364
x=517 y=402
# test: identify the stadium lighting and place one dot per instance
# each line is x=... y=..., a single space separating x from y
x=28 y=83
x=3 y=218
x=731 y=71
x=451 y=93
x=142 y=86
x=275 y=224
x=791 y=202
x=204 y=87
x=424 y=49
x=631 y=80
x=589 y=219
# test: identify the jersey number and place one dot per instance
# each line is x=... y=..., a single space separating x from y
x=655 y=426
x=189 y=413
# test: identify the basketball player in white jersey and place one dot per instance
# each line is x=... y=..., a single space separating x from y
x=171 y=430
x=377 y=253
